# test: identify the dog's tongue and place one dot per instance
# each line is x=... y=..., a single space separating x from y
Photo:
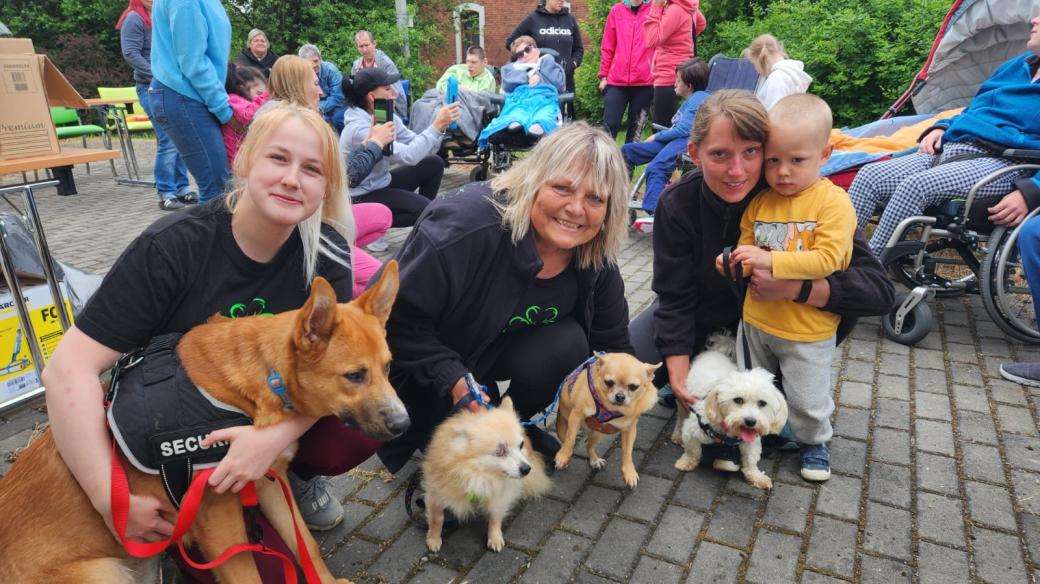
x=748 y=435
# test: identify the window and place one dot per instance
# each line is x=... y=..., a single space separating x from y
x=469 y=28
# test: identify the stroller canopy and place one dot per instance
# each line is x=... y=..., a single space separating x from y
x=976 y=37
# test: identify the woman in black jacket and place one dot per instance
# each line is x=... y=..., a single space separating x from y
x=553 y=26
x=700 y=215
x=513 y=280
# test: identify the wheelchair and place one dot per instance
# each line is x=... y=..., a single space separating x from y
x=503 y=146
x=953 y=250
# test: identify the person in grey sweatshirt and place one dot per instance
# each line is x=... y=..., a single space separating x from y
x=415 y=160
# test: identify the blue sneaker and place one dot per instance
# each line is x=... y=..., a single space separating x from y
x=727 y=458
x=665 y=396
x=816 y=462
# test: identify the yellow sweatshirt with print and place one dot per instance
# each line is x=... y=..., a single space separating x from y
x=810 y=236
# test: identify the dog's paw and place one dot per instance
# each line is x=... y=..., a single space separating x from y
x=597 y=463
x=677 y=436
x=685 y=463
x=433 y=542
x=343 y=581
x=631 y=477
x=495 y=542
x=759 y=479
x=562 y=460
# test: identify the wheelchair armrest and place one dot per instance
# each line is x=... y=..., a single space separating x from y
x=567 y=97
x=498 y=98
x=1022 y=154
x=659 y=127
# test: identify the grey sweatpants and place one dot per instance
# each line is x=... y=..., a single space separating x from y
x=806 y=372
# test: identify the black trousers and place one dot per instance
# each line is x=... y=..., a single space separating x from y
x=666 y=103
x=534 y=361
x=400 y=195
x=636 y=99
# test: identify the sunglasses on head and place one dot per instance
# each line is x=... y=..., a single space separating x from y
x=523 y=51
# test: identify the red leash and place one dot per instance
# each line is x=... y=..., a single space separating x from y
x=189 y=508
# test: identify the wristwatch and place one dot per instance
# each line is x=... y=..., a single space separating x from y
x=803 y=295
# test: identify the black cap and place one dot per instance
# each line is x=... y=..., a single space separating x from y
x=369 y=79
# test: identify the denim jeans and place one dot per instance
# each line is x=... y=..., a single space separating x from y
x=171 y=176
x=662 y=163
x=1029 y=251
x=195 y=133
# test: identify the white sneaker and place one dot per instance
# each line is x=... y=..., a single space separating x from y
x=536 y=130
x=514 y=125
x=378 y=246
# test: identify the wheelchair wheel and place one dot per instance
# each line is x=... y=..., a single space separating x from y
x=1005 y=290
x=916 y=323
x=907 y=272
x=478 y=174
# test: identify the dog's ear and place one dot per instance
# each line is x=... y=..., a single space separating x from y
x=379 y=298
x=780 y=415
x=317 y=319
x=651 y=369
x=711 y=407
x=460 y=440
x=507 y=404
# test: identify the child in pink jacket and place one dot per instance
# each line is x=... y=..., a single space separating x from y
x=247 y=91
x=670 y=27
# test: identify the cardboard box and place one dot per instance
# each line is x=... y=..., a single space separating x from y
x=29 y=85
x=18 y=376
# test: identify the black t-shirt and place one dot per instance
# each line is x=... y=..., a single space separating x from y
x=186 y=267
x=545 y=302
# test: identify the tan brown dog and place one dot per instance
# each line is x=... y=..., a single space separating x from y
x=622 y=385
x=333 y=358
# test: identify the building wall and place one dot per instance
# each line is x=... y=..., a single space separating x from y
x=500 y=18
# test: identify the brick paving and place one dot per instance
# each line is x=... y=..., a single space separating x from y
x=936 y=465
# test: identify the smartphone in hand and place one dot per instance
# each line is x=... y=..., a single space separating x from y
x=383 y=111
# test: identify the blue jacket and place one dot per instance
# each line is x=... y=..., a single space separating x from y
x=331 y=82
x=682 y=122
x=1004 y=112
x=191 y=40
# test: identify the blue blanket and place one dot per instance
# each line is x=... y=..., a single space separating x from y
x=527 y=106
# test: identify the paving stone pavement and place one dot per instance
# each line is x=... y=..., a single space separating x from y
x=936 y=465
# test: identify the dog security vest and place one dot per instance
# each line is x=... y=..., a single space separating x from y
x=159 y=417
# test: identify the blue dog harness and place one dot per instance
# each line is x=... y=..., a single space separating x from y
x=159 y=417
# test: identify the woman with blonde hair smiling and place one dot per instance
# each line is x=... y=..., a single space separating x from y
x=286 y=220
x=515 y=280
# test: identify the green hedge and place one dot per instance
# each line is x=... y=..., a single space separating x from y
x=861 y=55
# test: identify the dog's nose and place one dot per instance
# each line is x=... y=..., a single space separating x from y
x=619 y=398
x=397 y=422
x=525 y=469
x=750 y=422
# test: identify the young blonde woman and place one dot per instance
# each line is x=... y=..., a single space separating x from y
x=286 y=220
x=780 y=75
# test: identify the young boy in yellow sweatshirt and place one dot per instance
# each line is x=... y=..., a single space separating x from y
x=799 y=229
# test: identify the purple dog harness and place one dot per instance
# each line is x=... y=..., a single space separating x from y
x=597 y=421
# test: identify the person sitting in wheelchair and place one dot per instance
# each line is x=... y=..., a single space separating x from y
x=532 y=83
x=661 y=150
x=957 y=152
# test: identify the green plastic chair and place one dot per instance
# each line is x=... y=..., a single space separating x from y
x=136 y=119
x=68 y=125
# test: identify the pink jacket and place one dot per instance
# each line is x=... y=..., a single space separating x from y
x=624 y=58
x=669 y=31
x=242 y=110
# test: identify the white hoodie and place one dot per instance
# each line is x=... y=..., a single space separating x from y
x=786 y=78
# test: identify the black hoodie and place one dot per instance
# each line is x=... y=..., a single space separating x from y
x=246 y=59
x=691 y=227
x=553 y=31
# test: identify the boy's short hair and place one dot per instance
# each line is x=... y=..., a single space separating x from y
x=693 y=72
x=808 y=111
x=522 y=40
x=478 y=51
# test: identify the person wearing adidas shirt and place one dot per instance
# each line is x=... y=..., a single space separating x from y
x=553 y=26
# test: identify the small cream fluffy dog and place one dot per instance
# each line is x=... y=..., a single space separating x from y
x=480 y=462
x=741 y=406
